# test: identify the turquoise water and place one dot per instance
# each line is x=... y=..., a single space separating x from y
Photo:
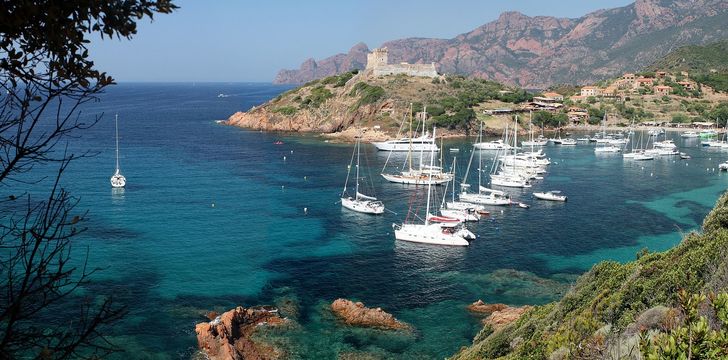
x=212 y=217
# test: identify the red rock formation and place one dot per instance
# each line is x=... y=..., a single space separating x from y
x=503 y=317
x=534 y=52
x=228 y=336
x=357 y=314
x=483 y=308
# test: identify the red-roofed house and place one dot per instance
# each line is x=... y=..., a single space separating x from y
x=662 y=90
x=643 y=82
x=686 y=84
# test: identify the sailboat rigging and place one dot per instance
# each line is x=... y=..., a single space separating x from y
x=117 y=180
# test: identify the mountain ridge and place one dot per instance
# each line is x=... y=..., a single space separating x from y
x=539 y=51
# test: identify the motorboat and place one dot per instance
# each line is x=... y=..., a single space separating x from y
x=607 y=149
x=553 y=195
x=492 y=145
x=422 y=143
x=568 y=142
x=723 y=166
x=689 y=134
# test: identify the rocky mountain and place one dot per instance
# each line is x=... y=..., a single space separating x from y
x=535 y=52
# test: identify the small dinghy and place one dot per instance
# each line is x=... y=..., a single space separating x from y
x=523 y=205
x=684 y=156
x=550 y=195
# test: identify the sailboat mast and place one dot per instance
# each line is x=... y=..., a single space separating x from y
x=116 y=126
x=409 y=151
x=429 y=182
x=358 y=147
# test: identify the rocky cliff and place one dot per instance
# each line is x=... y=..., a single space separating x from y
x=535 y=52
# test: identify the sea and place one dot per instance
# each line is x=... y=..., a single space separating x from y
x=215 y=216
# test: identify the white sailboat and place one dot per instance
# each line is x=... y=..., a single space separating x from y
x=424 y=175
x=484 y=196
x=606 y=145
x=456 y=209
x=117 y=180
x=359 y=202
x=432 y=233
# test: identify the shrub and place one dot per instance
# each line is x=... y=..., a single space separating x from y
x=285 y=110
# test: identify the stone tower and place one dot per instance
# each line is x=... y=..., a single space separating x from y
x=377 y=58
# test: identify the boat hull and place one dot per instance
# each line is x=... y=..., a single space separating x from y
x=429 y=234
x=415 y=180
x=385 y=146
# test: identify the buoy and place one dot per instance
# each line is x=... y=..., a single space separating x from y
x=282 y=186
x=305 y=178
x=284 y=158
x=650 y=174
x=213 y=204
x=305 y=210
x=291 y=151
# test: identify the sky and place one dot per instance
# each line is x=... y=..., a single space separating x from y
x=249 y=41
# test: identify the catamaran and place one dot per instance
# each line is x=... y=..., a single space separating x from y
x=117 y=180
x=359 y=202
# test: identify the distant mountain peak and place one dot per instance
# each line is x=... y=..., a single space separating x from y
x=538 y=51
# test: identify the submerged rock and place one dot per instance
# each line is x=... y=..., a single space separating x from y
x=357 y=314
x=503 y=317
x=229 y=336
x=483 y=308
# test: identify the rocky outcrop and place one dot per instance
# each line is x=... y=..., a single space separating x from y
x=480 y=307
x=311 y=69
x=356 y=314
x=503 y=317
x=534 y=52
x=230 y=336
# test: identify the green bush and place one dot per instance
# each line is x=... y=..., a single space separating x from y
x=368 y=94
x=318 y=95
x=285 y=110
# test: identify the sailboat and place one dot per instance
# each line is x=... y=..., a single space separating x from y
x=607 y=145
x=452 y=234
x=117 y=180
x=541 y=141
x=425 y=175
x=455 y=209
x=484 y=196
x=359 y=202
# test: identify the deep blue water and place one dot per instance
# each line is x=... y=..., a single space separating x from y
x=212 y=217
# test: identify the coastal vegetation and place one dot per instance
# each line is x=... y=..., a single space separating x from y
x=661 y=305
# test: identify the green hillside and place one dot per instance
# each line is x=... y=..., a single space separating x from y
x=611 y=309
x=707 y=64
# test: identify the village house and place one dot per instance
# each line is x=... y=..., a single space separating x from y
x=587 y=91
x=687 y=85
x=555 y=96
x=628 y=76
x=610 y=91
x=662 y=90
x=660 y=74
x=643 y=82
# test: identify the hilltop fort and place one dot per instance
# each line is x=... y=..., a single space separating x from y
x=378 y=64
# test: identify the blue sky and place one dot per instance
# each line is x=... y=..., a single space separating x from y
x=228 y=40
